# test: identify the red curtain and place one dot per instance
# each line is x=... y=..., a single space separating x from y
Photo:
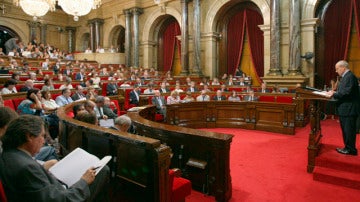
x=235 y=37
x=337 y=25
x=169 y=40
x=256 y=41
x=356 y=6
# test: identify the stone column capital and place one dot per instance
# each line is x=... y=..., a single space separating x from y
x=127 y=12
x=33 y=24
x=137 y=11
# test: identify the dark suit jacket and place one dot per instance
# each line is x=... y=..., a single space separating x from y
x=76 y=96
x=347 y=96
x=166 y=90
x=109 y=113
x=78 y=76
x=221 y=98
x=248 y=98
x=67 y=73
x=24 y=89
x=195 y=89
x=111 y=89
x=133 y=99
x=26 y=180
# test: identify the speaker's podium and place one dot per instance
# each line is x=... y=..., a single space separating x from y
x=315 y=97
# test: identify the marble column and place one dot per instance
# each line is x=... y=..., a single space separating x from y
x=98 y=22
x=71 y=38
x=127 y=37
x=275 y=68
x=92 y=36
x=136 y=12
x=196 y=71
x=43 y=28
x=184 y=38
x=294 y=38
x=32 y=29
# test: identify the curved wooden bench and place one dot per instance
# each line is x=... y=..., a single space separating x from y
x=140 y=161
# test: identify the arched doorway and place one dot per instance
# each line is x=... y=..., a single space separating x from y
x=117 y=38
x=169 y=46
x=241 y=44
x=6 y=34
x=337 y=41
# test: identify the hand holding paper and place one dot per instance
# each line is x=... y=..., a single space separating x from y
x=71 y=168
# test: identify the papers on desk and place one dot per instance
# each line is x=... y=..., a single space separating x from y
x=71 y=168
x=322 y=93
x=135 y=109
x=107 y=123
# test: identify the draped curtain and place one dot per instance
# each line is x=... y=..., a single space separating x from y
x=169 y=40
x=250 y=20
x=356 y=5
x=256 y=41
x=337 y=27
x=235 y=36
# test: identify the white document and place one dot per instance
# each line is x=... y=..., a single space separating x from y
x=322 y=93
x=71 y=168
x=106 y=123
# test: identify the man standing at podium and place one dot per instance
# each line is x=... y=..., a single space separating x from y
x=347 y=101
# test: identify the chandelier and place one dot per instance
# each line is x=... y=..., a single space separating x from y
x=36 y=8
x=78 y=7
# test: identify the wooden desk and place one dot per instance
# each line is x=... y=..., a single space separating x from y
x=186 y=143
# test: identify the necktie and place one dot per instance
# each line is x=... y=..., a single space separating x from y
x=203 y=98
x=219 y=98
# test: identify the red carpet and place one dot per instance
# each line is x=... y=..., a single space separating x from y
x=272 y=167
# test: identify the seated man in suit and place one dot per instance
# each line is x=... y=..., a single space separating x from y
x=192 y=87
x=103 y=112
x=112 y=87
x=79 y=93
x=135 y=95
x=80 y=76
x=159 y=102
x=219 y=96
x=25 y=179
x=29 y=84
x=251 y=96
x=163 y=88
x=203 y=96
x=264 y=88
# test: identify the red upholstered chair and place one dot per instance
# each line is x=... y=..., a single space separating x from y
x=159 y=117
x=103 y=89
x=180 y=187
x=267 y=98
x=17 y=101
x=2 y=193
x=284 y=99
x=10 y=104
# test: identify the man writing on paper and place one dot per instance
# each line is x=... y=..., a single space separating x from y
x=347 y=102
x=24 y=179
